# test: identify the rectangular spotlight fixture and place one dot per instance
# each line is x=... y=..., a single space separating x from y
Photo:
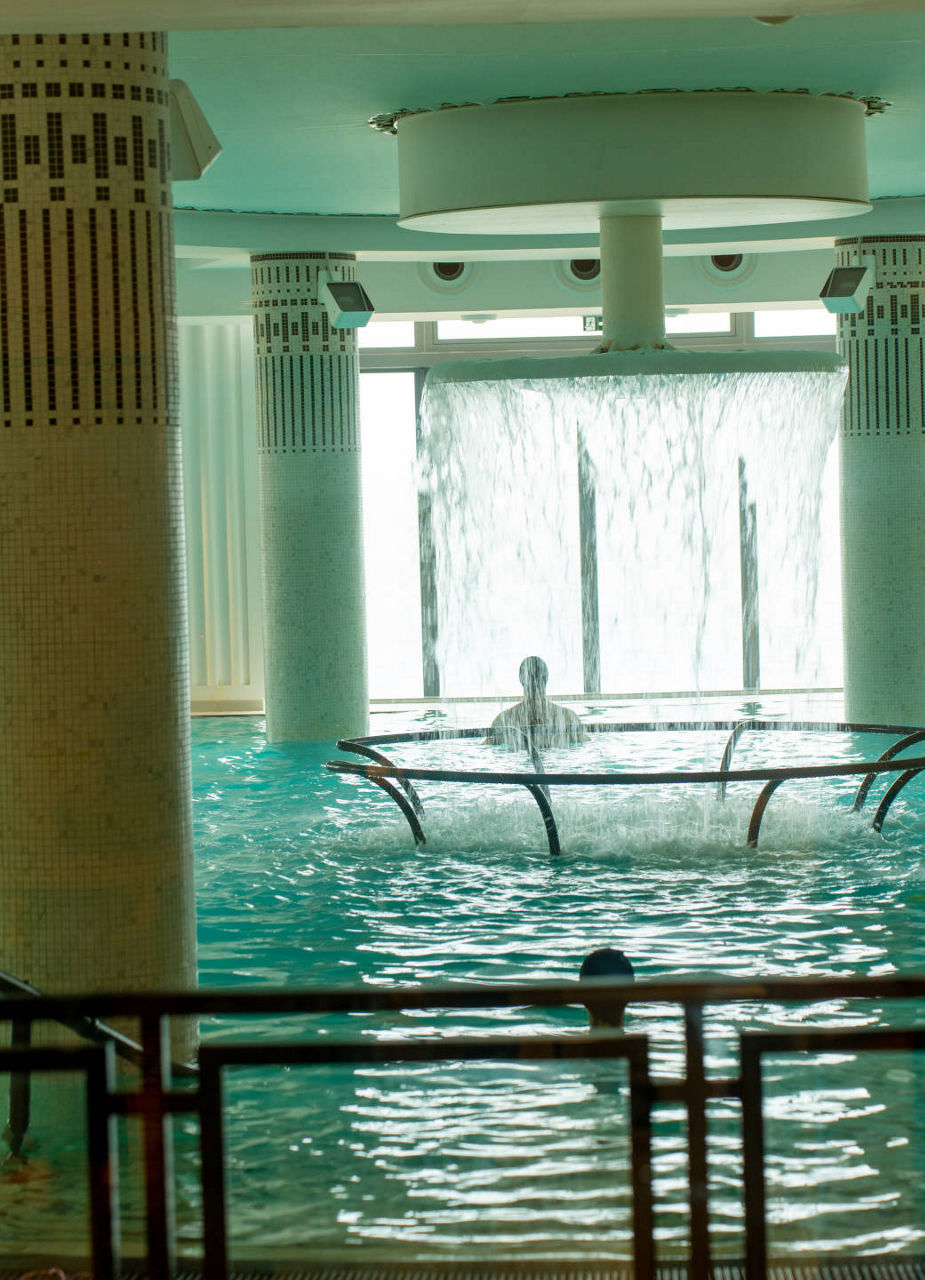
x=348 y=304
x=193 y=145
x=846 y=289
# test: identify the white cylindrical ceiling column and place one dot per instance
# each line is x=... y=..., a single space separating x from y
x=632 y=288
x=94 y=705
x=883 y=484
x=310 y=501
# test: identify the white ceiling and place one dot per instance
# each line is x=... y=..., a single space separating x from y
x=203 y=15
x=289 y=85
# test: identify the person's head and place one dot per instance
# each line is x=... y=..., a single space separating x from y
x=533 y=675
x=606 y=962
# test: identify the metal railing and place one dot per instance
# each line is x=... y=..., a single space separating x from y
x=89 y=1029
x=397 y=780
x=154 y=1099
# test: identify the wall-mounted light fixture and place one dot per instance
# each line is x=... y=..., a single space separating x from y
x=348 y=304
x=193 y=145
x=846 y=289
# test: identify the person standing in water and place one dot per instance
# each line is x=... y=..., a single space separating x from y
x=605 y=1013
x=537 y=722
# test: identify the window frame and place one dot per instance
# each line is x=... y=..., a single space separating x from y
x=429 y=350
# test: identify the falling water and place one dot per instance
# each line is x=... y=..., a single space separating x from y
x=663 y=442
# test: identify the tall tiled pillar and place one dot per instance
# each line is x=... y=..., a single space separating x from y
x=311 y=512
x=95 y=842
x=883 y=484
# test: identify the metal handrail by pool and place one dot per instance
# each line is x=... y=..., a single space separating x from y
x=385 y=773
x=154 y=1098
x=89 y=1029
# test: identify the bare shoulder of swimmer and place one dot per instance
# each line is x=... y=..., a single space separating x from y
x=507 y=727
x=566 y=722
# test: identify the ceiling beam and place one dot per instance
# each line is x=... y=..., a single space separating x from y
x=198 y=15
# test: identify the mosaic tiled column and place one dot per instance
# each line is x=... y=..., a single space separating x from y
x=883 y=485
x=95 y=839
x=311 y=512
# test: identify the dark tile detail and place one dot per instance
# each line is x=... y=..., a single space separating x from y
x=95 y=312
x=25 y=311
x=55 y=137
x=4 y=320
x=48 y=272
x=8 y=148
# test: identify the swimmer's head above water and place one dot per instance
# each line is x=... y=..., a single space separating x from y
x=536 y=721
x=533 y=675
x=605 y=1012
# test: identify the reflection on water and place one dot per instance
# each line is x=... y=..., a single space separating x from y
x=306 y=878
x=319 y=882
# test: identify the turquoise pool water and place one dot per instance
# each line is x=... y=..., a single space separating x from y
x=307 y=878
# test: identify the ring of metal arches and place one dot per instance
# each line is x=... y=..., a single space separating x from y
x=398 y=780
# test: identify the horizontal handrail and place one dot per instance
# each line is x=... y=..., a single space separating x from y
x=155 y=1100
x=88 y=1027
x=645 y=726
x=308 y=1000
x=633 y=778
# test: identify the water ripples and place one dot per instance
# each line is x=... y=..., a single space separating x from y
x=309 y=879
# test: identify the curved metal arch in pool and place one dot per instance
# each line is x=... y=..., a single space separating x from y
x=384 y=773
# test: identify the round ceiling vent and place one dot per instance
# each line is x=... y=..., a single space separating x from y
x=585 y=268
x=579 y=276
x=726 y=262
x=448 y=272
x=446 y=276
x=727 y=269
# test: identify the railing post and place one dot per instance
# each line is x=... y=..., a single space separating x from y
x=754 y=826
x=696 y=1097
x=102 y=1156
x=756 y=1242
x=641 y=1140
x=20 y=1090
x=212 y=1167
x=158 y=1151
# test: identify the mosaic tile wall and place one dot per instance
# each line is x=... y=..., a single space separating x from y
x=882 y=455
x=94 y=756
x=883 y=343
x=310 y=503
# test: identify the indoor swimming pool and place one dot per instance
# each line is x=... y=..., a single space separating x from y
x=305 y=878
x=310 y=879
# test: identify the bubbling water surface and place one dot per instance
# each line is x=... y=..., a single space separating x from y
x=306 y=878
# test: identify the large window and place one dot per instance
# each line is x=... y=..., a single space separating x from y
x=390 y=516
x=475 y=329
x=380 y=334
x=807 y=322
x=695 y=322
x=395 y=355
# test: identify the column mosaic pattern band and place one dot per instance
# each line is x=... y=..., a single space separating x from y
x=882 y=482
x=94 y=754
x=310 y=502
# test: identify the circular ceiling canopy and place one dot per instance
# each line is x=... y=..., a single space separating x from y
x=698 y=159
